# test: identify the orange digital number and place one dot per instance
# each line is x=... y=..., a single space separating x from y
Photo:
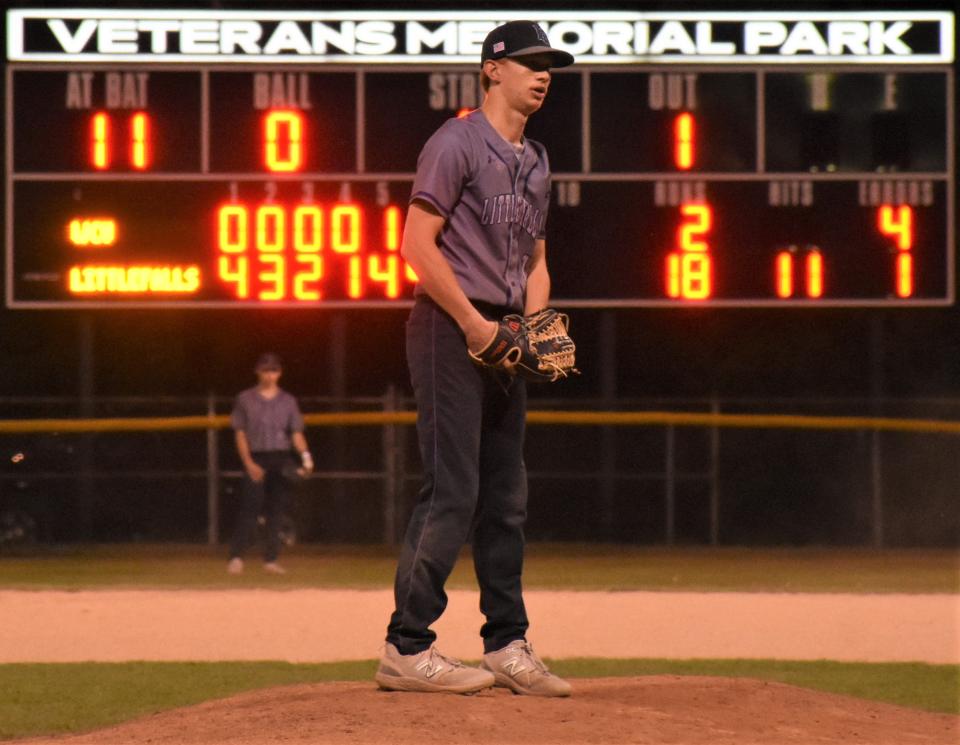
x=232 y=228
x=236 y=270
x=308 y=229
x=274 y=280
x=897 y=223
x=139 y=153
x=271 y=228
x=283 y=140
x=100 y=141
x=385 y=269
x=345 y=228
x=139 y=141
x=273 y=251
x=813 y=274
x=690 y=267
x=683 y=143
x=306 y=282
x=391 y=229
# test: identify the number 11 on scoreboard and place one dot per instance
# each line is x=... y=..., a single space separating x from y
x=101 y=141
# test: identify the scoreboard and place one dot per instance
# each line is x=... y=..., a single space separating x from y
x=236 y=159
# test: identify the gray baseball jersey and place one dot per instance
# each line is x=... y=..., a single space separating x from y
x=268 y=423
x=494 y=201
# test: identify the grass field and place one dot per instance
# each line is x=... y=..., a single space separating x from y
x=574 y=567
x=58 y=698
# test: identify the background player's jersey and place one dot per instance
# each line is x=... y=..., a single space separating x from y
x=267 y=422
x=495 y=203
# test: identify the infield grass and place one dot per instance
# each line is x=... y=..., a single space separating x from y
x=548 y=566
x=44 y=699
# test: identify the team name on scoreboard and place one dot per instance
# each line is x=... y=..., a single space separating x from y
x=432 y=36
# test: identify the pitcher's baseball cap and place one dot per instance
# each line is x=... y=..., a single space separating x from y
x=268 y=361
x=520 y=38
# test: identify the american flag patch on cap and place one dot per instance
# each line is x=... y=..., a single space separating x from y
x=498 y=47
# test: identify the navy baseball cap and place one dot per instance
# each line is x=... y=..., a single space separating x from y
x=520 y=38
x=268 y=361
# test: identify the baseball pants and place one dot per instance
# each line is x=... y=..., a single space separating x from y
x=269 y=498
x=470 y=427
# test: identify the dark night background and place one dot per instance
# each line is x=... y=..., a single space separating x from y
x=789 y=487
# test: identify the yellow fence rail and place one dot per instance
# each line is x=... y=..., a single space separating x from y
x=568 y=418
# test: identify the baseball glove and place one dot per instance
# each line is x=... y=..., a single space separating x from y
x=537 y=347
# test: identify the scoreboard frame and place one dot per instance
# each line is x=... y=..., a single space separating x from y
x=21 y=59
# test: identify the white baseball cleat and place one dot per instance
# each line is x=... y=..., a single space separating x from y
x=235 y=565
x=518 y=668
x=429 y=672
x=272 y=567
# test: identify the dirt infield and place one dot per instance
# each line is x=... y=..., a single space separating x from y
x=329 y=625
x=662 y=709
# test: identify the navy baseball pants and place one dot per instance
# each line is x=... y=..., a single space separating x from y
x=269 y=498
x=470 y=427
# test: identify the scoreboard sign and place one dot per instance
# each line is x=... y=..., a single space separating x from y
x=264 y=158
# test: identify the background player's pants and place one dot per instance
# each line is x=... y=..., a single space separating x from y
x=470 y=429
x=268 y=498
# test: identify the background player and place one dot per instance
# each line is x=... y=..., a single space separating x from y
x=268 y=425
x=475 y=236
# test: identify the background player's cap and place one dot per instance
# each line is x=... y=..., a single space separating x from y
x=268 y=361
x=519 y=38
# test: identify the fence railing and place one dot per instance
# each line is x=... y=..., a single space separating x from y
x=27 y=421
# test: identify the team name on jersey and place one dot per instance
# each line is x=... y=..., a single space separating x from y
x=511 y=208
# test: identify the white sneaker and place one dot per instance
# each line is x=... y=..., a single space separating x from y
x=272 y=567
x=235 y=565
x=518 y=668
x=429 y=672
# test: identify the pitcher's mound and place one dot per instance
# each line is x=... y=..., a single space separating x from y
x=662 y=709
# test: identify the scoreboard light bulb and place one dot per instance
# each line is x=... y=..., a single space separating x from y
x=283 y=140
